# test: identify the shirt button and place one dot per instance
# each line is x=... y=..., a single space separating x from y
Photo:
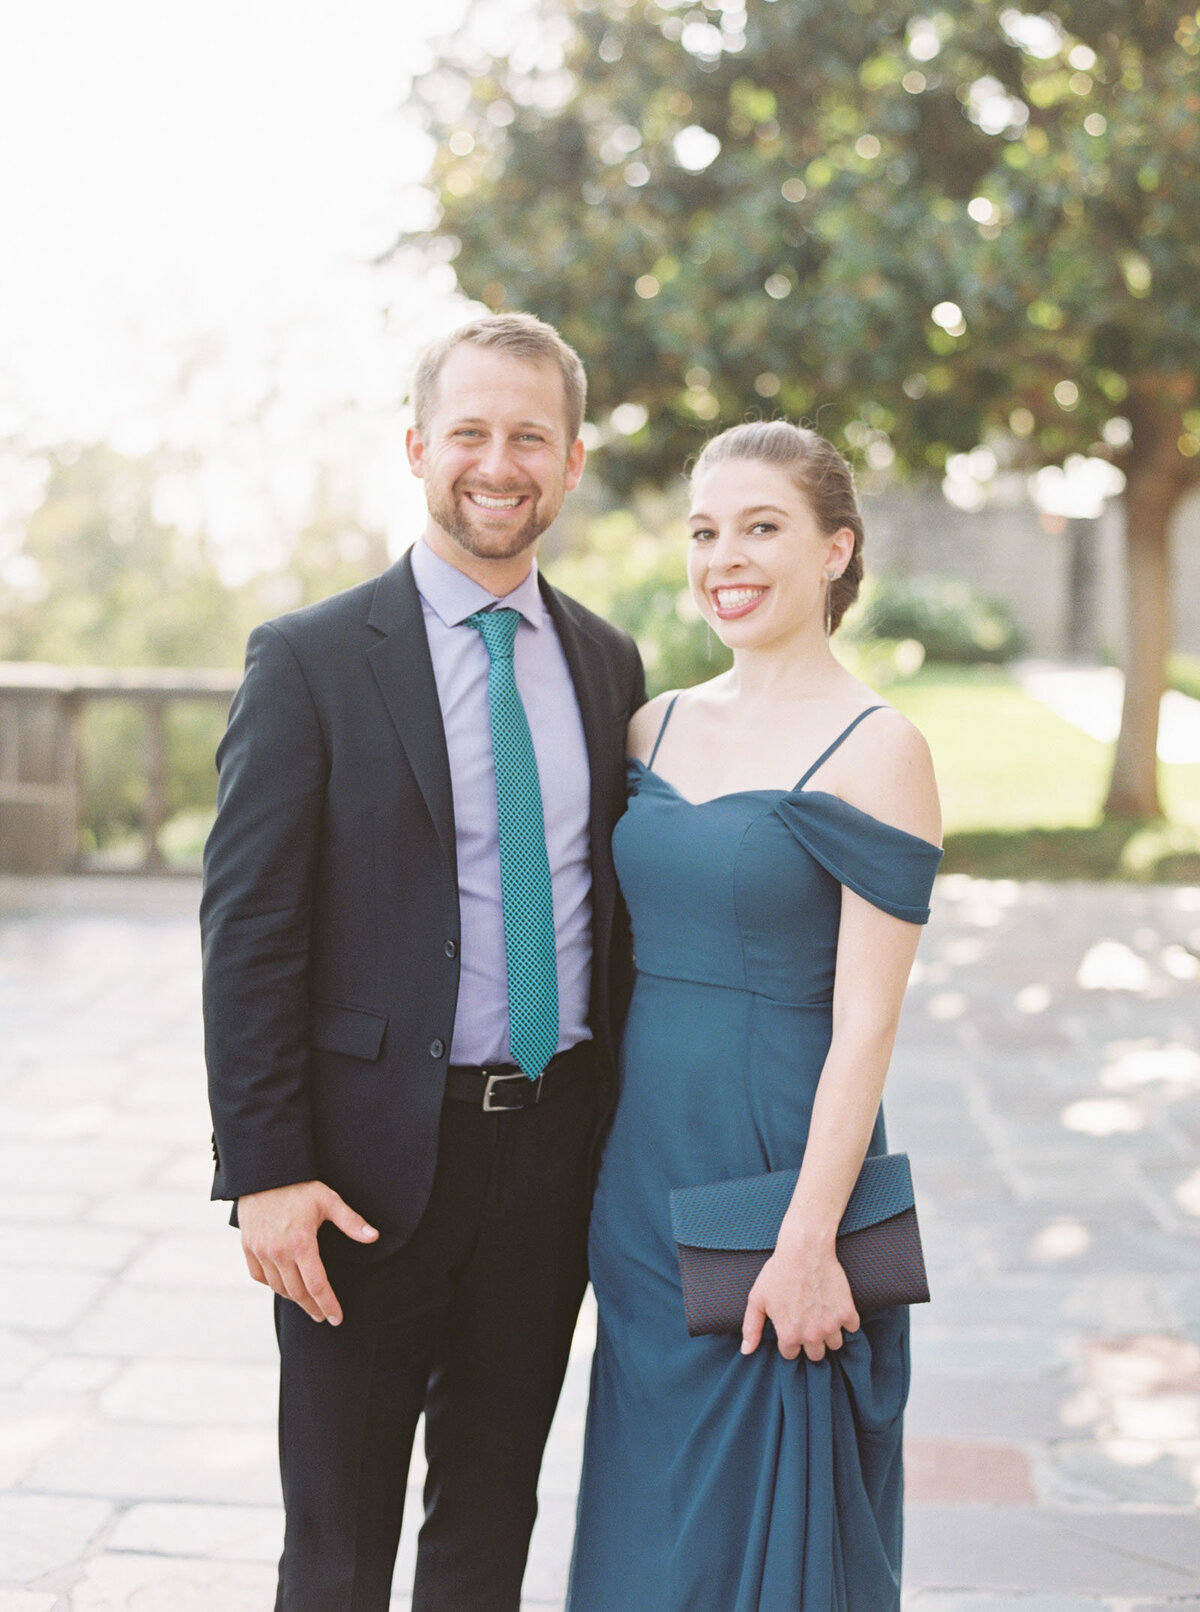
x=437 y=1047
x=450 y=949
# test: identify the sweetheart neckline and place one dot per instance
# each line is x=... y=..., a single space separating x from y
x=795 y=793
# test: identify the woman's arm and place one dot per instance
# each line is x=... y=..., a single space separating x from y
x=802 y=1288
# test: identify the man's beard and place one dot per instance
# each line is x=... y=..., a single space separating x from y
x=453 y=517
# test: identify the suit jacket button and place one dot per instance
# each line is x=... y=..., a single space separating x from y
x=450 y=949
x=437 y=1047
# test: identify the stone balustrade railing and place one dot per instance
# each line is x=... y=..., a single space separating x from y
x=43 y=787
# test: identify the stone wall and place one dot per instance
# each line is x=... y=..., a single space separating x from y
x=1026 y=559
x=1011 y=553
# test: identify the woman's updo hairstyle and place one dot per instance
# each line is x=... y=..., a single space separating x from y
x=819 y=472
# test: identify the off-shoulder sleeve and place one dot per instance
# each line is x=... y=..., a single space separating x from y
x=888 y=867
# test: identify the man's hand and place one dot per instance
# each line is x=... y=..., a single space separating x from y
x=279 y=1239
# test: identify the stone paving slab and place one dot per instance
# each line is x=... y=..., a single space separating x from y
x=193 y=1391
x=1105 y=1553
x=994 y=1406
x=1046 y=1083
x=69 y=1247
x=936 y=1601
x=960 y=1470
x=221 y=1532
x=157 y=1584
x=127 y=1461
x=175 y=1322
x=1100 y=1472
x=41 y=1532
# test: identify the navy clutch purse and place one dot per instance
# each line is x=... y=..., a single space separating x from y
x=725 y=1231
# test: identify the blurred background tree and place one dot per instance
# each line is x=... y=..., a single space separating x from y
x=634 y=573
x=922 y=231
x=103 y=578
x=104 y=581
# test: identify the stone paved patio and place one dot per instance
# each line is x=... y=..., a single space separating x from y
x=1047 y=1085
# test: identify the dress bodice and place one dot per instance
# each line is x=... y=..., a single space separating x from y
x=744 y=890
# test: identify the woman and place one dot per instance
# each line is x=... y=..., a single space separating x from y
x=775 y=923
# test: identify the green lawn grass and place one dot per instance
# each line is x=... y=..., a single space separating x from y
x=1022 y=790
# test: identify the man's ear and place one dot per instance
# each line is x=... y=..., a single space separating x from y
x=575 y=459
x=414 y=447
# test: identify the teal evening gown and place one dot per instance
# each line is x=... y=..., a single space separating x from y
x=713 y=1481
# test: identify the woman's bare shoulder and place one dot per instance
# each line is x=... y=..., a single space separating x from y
x=645 y=723
x=889 y=774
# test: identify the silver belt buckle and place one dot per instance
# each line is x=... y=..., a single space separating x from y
x=494 y=1081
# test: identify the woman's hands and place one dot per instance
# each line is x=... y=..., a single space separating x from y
x=805 y=1293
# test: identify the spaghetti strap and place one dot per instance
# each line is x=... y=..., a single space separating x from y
x=825 y=754
x=662 y=730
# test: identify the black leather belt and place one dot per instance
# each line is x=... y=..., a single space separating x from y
x=497 y=1088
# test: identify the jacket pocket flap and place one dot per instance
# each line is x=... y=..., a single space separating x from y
x=355 y=1031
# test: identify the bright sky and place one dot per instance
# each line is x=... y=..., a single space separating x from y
x=203 y=184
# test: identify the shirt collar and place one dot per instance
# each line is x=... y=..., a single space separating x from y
x=453 y=596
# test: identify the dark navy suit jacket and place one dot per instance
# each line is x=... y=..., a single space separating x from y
x=330 y=906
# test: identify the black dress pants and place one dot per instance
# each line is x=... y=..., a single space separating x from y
x=470 y=1321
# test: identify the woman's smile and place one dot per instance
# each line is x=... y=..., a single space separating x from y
x=730 y=602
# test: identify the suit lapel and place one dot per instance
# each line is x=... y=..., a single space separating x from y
x=403 y=669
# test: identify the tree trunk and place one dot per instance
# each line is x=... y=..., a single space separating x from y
x=1082 y=579
x=1153 y=487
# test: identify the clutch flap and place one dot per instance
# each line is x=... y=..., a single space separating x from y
x=743 y=1214
x=747 y=1213
x=884 y=1188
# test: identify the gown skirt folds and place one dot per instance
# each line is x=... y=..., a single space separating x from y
x=712 y=1481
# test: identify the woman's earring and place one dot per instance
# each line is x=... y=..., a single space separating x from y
x=830 y=579
x=707 y=641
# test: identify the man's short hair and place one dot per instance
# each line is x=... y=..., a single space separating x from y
x=520 y=335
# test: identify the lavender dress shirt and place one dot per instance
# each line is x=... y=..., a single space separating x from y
x=460 y=669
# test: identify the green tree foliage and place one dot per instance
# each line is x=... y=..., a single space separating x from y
x=102 y=580
x=105 y=582
x=639 y=578
x=920 y=230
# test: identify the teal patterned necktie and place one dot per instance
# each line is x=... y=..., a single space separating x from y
x=524 y=866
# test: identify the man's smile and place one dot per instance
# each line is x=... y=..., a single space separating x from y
x=491 y=501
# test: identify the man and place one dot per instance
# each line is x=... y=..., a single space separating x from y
x=414 y=964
